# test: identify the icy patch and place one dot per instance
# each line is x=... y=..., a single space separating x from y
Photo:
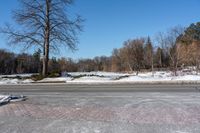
x=4 y=99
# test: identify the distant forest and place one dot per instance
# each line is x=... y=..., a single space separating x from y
x=177 y=48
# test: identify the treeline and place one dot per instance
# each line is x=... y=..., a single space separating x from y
x=11 y=63
x=172 y=50
x=175 y=49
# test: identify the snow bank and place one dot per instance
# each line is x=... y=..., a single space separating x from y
x=17 y=75
x=91 y=79
x=4 y=81
x=8 y=81
x=161 y=77
x=15 y=79
x=59 y=79
x=187 y=78
x=98 y=73
x=156 y=76
x=110 y=77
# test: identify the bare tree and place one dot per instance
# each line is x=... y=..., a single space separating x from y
x=161 y=43
x=118 y=60
x=44 y=24
x=134 y=52
x=173 y=46
x=7 y=62
x=128 y=55
x=191 y=38
x=148 y=54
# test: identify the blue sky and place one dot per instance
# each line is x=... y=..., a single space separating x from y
x=111 y=22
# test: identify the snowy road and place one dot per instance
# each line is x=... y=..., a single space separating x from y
x=102 y=109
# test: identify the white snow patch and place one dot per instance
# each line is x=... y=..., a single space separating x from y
x=187 y=77
x=98 y=73
x=4 y=81
x=15 y=79
x=97 y=131
x=91 y=79
x=180 y=132
x=27 y=81
x=161 y=76
x=8 y=81
x=64 y=79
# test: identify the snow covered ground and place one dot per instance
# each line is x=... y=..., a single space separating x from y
x=108 y=77
x=15 y=79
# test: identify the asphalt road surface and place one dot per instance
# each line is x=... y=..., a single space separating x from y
x=122 y=108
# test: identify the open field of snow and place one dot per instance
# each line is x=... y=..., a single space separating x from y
x=107 y=77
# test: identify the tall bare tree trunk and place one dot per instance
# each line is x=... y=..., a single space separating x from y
x=43 y=61
x=46 y=44
x=160 y=59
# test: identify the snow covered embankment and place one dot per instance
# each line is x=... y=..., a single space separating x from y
x=15 y=79
x=110 y=77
